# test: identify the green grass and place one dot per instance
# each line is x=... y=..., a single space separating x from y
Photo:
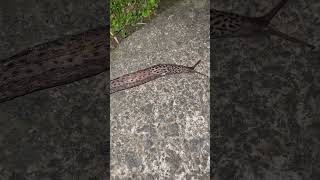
x=127 y=13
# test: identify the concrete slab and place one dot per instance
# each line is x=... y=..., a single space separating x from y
x=160 y=130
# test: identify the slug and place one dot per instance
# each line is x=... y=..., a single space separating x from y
x=231 y=25
x=55 y=63
x=145 y=75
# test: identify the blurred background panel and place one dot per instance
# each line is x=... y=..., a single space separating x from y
x=61 y=132
x=265 y=98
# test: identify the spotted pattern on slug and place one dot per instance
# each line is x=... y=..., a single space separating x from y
x=54 y=63
x=143 y=76
x=223 y=23
x=230 y=25
x=47 y=56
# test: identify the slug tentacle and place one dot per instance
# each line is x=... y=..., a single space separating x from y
x=196 y=64
x=194 y=71
x=231 y=25
x=269 y=15
x=143 y=76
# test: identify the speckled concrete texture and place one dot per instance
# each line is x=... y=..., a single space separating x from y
x=160 y=130
x=265 y=102
x=59 y=133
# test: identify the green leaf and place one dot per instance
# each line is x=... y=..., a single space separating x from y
x=152 y=2
x=146 y=13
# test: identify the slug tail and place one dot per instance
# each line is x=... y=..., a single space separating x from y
x=288 y=38
x=201 y=74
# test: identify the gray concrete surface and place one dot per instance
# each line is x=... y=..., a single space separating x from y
x=160 y=130
x=265 y=98
x=57 y=133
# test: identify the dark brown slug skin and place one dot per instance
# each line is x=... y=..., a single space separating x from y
x=231 y=25
x=55 y=63
x=143 y=76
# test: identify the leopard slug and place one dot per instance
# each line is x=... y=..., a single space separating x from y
x=54 y=63
x=145 y=75
x=231 y=25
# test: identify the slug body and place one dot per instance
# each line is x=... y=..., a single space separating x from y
x=55 y=63
x=231 y=25
x=143 y=76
